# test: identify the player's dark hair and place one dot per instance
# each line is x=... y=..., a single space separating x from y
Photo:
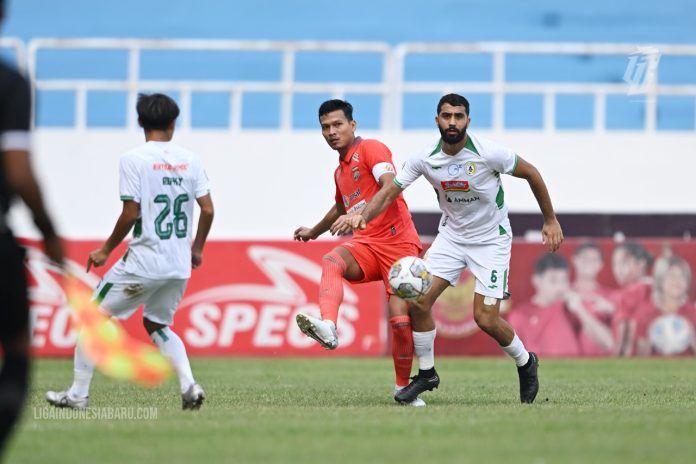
x=549 y=261
x=156 y=111
x=454 y=100
x=589 y=245
x=638 y=251
x=332 y=105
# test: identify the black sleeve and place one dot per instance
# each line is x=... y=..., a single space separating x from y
x=15 y=101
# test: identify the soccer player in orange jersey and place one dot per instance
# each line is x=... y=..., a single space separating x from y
x=365 y=166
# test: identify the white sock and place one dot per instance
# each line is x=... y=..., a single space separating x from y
x=517 y=351
x=173 y=348
x=424 y=348
x=84 y=368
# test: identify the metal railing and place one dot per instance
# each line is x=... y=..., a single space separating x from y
x=286 y=86
x=392 y=89
x=498 y=86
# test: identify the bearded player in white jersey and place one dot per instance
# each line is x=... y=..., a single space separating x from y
x=474 y=231
x=159 y=182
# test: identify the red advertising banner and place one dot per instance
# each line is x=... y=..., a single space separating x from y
x=590 y=299
x=599 y=298
x=242 y=301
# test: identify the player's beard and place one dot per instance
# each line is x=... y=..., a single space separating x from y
x=452 y=139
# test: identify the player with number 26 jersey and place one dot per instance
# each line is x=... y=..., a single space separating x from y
x=166 y=180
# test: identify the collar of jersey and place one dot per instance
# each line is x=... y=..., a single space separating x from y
x=351 y=151
x=438 y=158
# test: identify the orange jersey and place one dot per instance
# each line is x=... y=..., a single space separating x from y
x=357 y=182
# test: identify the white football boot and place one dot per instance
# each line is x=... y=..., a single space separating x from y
x=63 y=399
x=193 y=397
x=323 y=332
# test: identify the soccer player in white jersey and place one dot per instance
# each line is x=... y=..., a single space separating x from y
x=159 y=182
x=474 y=231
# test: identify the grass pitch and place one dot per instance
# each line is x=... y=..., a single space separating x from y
x=339 y=410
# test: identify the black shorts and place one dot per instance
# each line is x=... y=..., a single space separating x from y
x=14 y=301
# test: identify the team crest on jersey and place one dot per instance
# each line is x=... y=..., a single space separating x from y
x=454 y=169
x=356 y=173
x=470 y=168
x=455 y=185
x=356 y=157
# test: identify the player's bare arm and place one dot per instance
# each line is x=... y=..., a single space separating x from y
x=305 y=234
x=382 y=199
x=551 y=231
x=342 y=225
x=205 y=220
x=20 y=179
x=125 y=222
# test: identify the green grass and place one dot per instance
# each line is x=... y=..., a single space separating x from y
x=340 y=410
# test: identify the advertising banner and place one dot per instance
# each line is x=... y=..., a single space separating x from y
x=599 y=298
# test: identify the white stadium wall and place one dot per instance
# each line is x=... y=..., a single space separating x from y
x=267 y=183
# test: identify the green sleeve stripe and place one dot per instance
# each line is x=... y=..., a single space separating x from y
x=514 y=166
x=127 y=198
x=398 y=184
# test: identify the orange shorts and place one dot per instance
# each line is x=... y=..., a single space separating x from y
x=376 y=258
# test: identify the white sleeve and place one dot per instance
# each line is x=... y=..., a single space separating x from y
x=202 y=187
x=501 y=159
x=129 y=180
x=411 y=170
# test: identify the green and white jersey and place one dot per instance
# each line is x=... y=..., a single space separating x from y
x=468 y=187
x=166 y=180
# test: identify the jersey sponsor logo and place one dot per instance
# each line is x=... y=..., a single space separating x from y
x=454 y=169
x=356 y=173
x=470 y=168
x=356 y=157
x=169 y=167
x=347 y=199
x=465 y=200
x=357 y=206
x=455 y=185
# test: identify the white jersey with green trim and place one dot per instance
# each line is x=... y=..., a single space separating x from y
x=468 y=187
x=166 y=180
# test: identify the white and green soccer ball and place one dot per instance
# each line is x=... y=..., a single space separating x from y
x=670 y=334
x=409 y=278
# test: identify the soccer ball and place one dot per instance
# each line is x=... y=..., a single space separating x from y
x=670 y=334
x=409 y=278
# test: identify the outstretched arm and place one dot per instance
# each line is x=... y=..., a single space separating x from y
x=382 y=199
x=305 y=234
x=129 y=214
x=205 y=220
x=551 y=231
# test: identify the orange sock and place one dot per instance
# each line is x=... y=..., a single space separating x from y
x=331 y=286
x=402 y=348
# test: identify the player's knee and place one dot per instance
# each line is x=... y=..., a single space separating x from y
x=420 y=307
x=485 y=318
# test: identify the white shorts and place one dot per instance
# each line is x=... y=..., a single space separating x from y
x=489 y=263
x=121 y=293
